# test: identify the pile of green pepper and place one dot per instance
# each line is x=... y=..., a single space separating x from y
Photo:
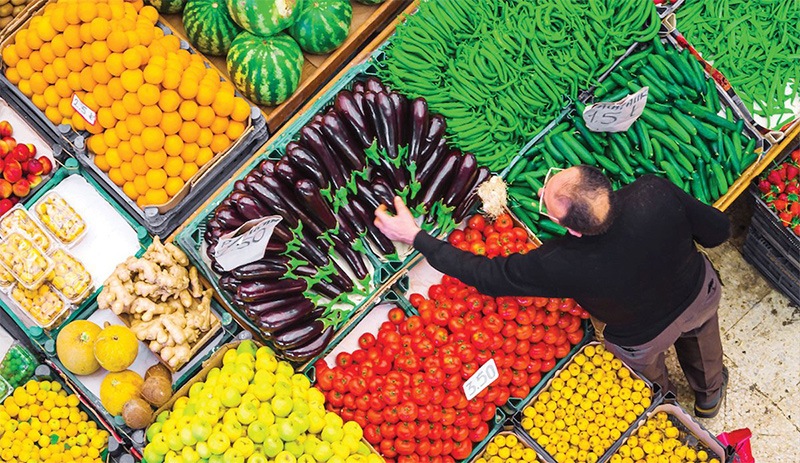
x=499 y=70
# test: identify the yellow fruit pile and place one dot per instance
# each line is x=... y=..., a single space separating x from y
x=161 y=114
x=41 y=423
x=587 y=407
x=506 y=448
x=659 y=440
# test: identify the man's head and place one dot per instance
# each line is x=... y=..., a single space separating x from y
x=580 y=199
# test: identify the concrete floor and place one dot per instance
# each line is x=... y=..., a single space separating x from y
x=762 y=352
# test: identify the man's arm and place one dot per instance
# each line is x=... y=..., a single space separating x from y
x=710 y=226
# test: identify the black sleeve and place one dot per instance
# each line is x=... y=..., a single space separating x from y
x=710 y=226
x=516 y=275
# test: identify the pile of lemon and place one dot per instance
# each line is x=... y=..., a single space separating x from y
x=161 y=114
x=40 y=422
x=507 y=448
x=659 y=440
x=586 y=407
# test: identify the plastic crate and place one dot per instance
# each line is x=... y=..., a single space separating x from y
x=776 y=269
x=509 y=429
x=18 y=365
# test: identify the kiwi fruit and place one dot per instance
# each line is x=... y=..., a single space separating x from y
x=137 y=413
x=159 y=369
x=156 y=390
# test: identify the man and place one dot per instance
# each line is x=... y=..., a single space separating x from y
x=629 y=259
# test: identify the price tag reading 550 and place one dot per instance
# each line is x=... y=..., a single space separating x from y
x=246 y=244
x=482 y=378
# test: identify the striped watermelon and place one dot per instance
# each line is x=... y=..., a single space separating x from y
x=322 y=25
x=264 y=17
x=167 y=6
x=209 y=26
x=266 y=69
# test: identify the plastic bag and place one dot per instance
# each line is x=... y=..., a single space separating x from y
x=740 y=441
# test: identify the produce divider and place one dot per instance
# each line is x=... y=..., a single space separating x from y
x=367 y=21
x=482 y=454
x=21 y=17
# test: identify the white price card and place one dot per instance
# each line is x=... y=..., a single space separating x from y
x=245 y=244
x=86 y=112
x=616 y=116
x=482 y=378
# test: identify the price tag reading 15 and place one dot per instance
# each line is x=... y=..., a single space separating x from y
x=482 y=378
x=617 y=116
x=246 y=244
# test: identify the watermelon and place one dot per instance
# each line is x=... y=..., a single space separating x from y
x=263 y=17
x=322 y=25
x=265 y=69
x=370 y=2
x=209 y=26
x=167 y=6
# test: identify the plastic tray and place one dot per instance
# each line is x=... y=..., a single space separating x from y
x=80 y=276
x=39 y=271
x=777 y=270
x=45 y=321
x=507 y=430
x=5 y=389
x=68 y=223
x=17 y=365
x=18 y=218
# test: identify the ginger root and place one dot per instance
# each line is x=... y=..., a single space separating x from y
x=163 y=299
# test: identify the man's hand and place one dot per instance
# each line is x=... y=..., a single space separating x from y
x=400 y=227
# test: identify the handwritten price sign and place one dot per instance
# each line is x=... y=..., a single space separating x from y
x=86 y=112
x=245 y=244
x=482 y=378
x=617 y=116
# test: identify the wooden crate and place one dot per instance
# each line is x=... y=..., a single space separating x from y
x=318 y=69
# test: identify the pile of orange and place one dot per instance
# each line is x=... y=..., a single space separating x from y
x=161 y=113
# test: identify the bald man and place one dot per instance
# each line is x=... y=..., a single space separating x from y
x=629 y=259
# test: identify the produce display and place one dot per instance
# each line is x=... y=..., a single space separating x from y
x=60 y=218
x=780 y=190
x=371 y=145
x=162 y=300
x=253 y=407
x=161 y=114
x=43 y=303
x=18 y=220
x=586 y=407
x=9 y=9
x=22 y=169
x=42 y=423
x=24 y=260
x=506 y=447
x=18 y=365
x=660 y=438
x=500 y=87
x=749 y=42
x=680 y=136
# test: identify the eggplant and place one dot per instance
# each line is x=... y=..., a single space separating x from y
x=239 y=185
x=352 y=258
x=253 y=176
x=360 y=99
x=210 y=250
x=472 y=198
x=213 y=231
x=436 y=129
x=301 y=333
x=440 y=181
x=267 y=167
x=419 y=128
x=433 y=163
x=310 y=194
x=261 y=290
x=342 y=141
x=359 y=87
x=277 y=320
x=383 y=191
x=273 y=200
x=388 y=123
x=286 y=172
x=374 y=85
x=228 y=218
x=249 y=206
x=372 y=112
x=288 y=198
x=307 y=163
x=314 y=140
x=350 y=111
x=348 y=219
x=327 y=289
x=308 y=351
x=365 y=194
x=264 y=269
x=229 y=283
x=462 y=180
x=384 y=244
x=256 y=309
x=400 y=104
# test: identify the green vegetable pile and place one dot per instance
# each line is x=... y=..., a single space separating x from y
x=17 y=366
x=755 y=44
x=499 y=70
x=679 y=136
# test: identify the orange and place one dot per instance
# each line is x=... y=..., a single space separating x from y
x=111 y=138
x=173 y=145
x=100 y=28
x=114 y=64
x=150 y=13
x=117 y=41
x=49 y=74
x=116 y=176
x=189 y=169
x=153 y=138
x=133 y=39
x=105 y=118
x=151 y=116
x=153 y=73
x=205 y=116
x=51 y=96
x=72 y=36
x=156 y=196
x=219 y=126
x=86 y=33
x=188 y=110
x=13 y=76
x=146 y=34
x=189 y=131
x=223 y=104
x=58 y=21
x=60 y=67
x=100 y=162
x=148 y=94
x=104 y=98
x=115 y=88
x=203 y=156
x=25 y=69
x=205 y=137
x=126 y=170
x=36 y=61
x=173 y=166
x=173 y=186
x=139 y=164
x=130 y=190
x=38 y=101
x=71 y=13
x=33 y=41
x=132 y=79
x=63 y=89
x=155 y=159
x=131 y=103
x=189 y=153
x=45 y=30
x=38 y=84
x=235 y=130
x=87 y=11
x=172 y=79
x=10 y=56
x=134 y=124
x=156 y=50
x=124 y=149
x=77 y=121
x=132 y=59
x=74 y=60
x=53 y=114
x=74 y=81
x=87 y=81
x=184 y=56
x=90 y=101
x=169 y=100
x=137 y=144
x=59 y=45
x=97 y=144
x=103 y=11
x=171 y=123
x=118 y=110
x=188 y=89
x=140 y=183
x=86 y=54
x=171 y=43
x=47 y=53
x=112 y=157
x=156 y=178
x=25 y=88
x=205 y=95
x=100 y=51
x=220 y=143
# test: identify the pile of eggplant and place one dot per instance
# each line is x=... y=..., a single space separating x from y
x=371 y=145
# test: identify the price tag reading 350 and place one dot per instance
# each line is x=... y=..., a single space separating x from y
x=245 y=244
x=482 y=378
x=617 y=116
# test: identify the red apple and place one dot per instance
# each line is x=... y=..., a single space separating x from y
x=14 y=200
x=5 y=129
x=33 y=166
x=34 y=180
x=4 y=149
x=31 y=149
x=12 y=171
x=5 y=205
x=11 y=141
x=22 y=188
x=2 y=164
x=21 y=153
x=5 y=189
x=47 y=165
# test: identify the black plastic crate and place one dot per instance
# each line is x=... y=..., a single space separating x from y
x=776 y=268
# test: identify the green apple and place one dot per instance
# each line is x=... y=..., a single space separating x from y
x=172 y=457
x=316 y=422
x=351 y=428
x=218 y=443
x=196 y=390
x=285 y=368
x=206 y=417
x=247 y=412
x=283 y=387
x=265 y=413
x=281 y=405
x=295 y=448
x=264 y=376
x=244 y=446
x=233 y=456
x=336 y=459
x=151 y=455
x=334 y=419
x=323 y=452
x=265 y=351
x=162 y=417
x=364 y=450
x=257 y=431
x=230 y=415
x=187 y=437
x=229 y=357
x=301 y=381
x=356 y=459
x=216 y=459
x=306 y=459
x=201 y=429
x=299 y=405
x=239 y=382
x=266 y=363
x=212 y=376
x=310 y=444
x=168 y=426
x=332 y=433
x=263 y=391
x=285 y=457
x=246 y=370
x=288 y=431
x=247 y=346
x=258 y=457
x=272 y=445
x=341 y=449
x=190 y=455
x=159 y=444
x=299 y=421
x=233 y=429
x=351 y=442
x=231 y=397
x=174 y=441
x=154 y=429
x=202 y=450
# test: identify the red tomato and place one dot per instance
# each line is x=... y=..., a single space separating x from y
x=476 y=222
x=416 y=299
x=472 y=236
x=372 y=435
x=503 y=223
x=520 y=234
x=396 y=315
x=387 y=448
x=456 y=236
x=478 y=248
x=344 y=359
x=366 y=340
x=463 y=246
x=479 y=433
x=488 y=230
x=436 y=291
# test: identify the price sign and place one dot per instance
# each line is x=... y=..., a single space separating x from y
x=482 y=378
x=86 y=112
x=245 y=244
x=616 y=116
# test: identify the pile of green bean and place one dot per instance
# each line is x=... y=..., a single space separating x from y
x=499 y=70
x=755 y=44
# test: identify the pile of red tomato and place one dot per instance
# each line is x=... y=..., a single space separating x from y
x=500 y=238
x=404 y=386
